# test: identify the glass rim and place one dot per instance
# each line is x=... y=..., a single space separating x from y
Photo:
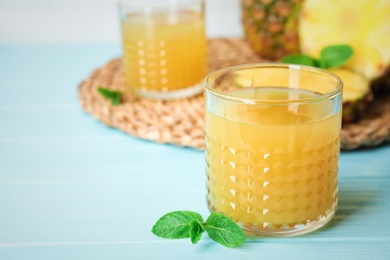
x=326 y=96
x=149 y=5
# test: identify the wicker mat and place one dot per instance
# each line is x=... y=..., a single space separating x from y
x=181 y=122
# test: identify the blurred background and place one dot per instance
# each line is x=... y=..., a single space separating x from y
x=91 y=21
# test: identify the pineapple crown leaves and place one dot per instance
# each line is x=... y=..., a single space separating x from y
x=331 y=56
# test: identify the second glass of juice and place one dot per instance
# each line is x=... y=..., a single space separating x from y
x=164 y=47
x=272 y=146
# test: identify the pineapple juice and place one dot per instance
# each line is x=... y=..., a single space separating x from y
x=164 y=52
x=272 y=167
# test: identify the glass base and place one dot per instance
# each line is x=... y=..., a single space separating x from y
x=288 y=230
x=169 y=95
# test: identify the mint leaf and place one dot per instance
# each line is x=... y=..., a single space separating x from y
x=224 y=230
x=188 y=224
x=301 y=59
x=322 y=64
x=176 y=224
x=196 y=231
x=114 y=96
x=335 y=55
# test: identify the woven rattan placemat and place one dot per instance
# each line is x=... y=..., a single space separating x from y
x=181 y=122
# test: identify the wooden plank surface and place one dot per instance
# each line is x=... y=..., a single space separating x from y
x=71 y=188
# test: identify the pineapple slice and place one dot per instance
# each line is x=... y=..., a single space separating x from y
x=356 y=93
x=363 y=24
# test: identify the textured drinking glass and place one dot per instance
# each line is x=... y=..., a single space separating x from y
x=272 y=146
x=164 y=47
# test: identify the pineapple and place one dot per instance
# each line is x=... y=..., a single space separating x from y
x=307 y=26
x=356 y=94
x=363 y=24
x=271 y=27
x=275 y=28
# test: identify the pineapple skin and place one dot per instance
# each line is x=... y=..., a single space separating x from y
x=381 y=85
x=357 y=94
x=271 y=26
x=353 y=110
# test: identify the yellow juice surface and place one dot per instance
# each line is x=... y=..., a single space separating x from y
x=164 y=51
x=272 y=165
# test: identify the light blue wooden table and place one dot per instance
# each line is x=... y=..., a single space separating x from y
x=72 y=188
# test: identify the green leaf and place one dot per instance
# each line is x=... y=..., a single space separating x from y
x=322 y=64
x=224 y=231
x=335 y=55
x=114 y=96
x=176 y=224
x=301 y=59
x=196 y=231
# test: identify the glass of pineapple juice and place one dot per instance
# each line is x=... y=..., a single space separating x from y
x=272 y=146
x=164 y=47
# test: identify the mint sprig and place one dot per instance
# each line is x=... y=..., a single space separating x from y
x=189 y=224
x=112 y=95
x=331 y=56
